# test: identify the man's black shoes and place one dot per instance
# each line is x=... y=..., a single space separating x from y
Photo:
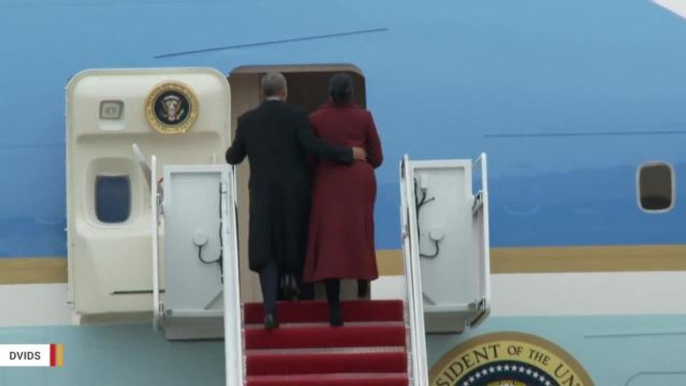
x=270 y=322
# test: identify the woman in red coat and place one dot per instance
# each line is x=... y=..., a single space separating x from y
x=341 y=229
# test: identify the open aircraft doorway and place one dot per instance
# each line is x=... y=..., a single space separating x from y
x=307 y=87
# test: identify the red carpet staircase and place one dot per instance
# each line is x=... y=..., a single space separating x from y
x=369 y=350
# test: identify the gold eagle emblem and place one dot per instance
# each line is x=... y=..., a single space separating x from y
x=171 y=108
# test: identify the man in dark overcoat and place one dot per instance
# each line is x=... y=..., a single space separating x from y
x=276 y=138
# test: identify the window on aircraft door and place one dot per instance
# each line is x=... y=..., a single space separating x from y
x=112 y=198
x=656 y=186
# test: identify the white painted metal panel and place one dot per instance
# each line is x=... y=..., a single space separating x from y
x=193 y=244
x=448 y=239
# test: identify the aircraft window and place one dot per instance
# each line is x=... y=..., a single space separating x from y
x=112 y=198
x=656 y=187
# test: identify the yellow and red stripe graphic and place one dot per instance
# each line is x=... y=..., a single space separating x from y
x=56 y=355
x=31 y=355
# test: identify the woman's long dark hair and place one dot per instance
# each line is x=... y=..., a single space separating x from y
x=341 y=88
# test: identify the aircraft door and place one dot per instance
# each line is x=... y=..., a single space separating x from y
x=180 y=115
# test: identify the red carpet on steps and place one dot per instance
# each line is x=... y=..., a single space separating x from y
x=289 y=362
x=318 y=312
x=331 y=380
x=370 y=350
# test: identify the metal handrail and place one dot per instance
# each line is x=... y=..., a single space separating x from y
x=413 y=281
x=233 y=332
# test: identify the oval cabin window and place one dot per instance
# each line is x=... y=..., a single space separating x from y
x=656 y=187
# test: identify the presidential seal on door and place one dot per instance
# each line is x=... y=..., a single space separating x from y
x=171 y=108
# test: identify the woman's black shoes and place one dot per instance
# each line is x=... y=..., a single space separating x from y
x=362 y=288
x=336 y=318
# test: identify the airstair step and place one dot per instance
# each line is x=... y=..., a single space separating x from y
x=318 y=311
x=326 y=361
x=369 y=350
x=324 y=336
x=351 y=379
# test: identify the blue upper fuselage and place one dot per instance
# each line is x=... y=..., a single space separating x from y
x=567 y=98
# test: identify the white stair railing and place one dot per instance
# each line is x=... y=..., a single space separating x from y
x=415 y=303
x=457 y=222
x=233 y=334
x=480 y=212
x=155 y=224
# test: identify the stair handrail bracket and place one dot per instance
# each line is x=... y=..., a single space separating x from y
x=419 y=371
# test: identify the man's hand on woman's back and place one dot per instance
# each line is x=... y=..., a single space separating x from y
x=359 y=154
